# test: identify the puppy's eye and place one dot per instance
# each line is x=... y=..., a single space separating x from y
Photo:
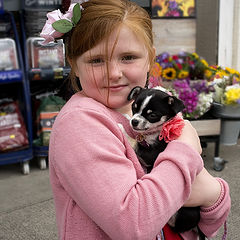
x=134 y=107
x=153 y=115
x=149 y=111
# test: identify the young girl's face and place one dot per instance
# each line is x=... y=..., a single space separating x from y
x=126 y=59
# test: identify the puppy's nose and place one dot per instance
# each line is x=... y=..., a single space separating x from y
x=134 y=122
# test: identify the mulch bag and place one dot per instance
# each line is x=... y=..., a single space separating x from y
x=13 y=134
x=46 y=114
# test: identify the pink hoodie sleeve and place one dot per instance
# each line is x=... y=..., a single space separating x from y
x=212 y=218
x=92 y=161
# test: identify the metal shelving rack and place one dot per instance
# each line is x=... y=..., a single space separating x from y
x=45 y=75
x=18 y=77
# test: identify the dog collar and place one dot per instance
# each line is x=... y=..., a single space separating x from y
x=168 y=131
x=141 y=139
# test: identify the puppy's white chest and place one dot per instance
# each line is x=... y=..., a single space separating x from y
x=151 y=139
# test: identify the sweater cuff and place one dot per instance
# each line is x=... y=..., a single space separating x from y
x=213 y=217
x=219 y=200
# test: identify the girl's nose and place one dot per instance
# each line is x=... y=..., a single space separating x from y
x=115 y=71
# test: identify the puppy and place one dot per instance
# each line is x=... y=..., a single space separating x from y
x=152 y=108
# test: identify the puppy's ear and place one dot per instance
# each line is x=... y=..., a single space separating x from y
x=175 y=103
x=134 y=92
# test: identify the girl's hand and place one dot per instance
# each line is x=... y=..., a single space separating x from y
x=189 y=136
x=205 y=190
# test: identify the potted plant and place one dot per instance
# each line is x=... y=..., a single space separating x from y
x=226 y=104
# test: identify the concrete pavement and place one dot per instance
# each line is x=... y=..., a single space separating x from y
x=27 y=209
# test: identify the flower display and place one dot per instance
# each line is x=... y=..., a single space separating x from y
x=197 y=96
x=226 y=84
x=188 y=75
x=198 y=84
x=182 y=66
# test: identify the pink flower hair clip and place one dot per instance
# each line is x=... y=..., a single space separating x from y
x=58 y=23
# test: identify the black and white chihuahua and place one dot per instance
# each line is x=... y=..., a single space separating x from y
x=151 y=108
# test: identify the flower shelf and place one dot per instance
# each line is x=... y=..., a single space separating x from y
x=208 y=127
x=209 y=130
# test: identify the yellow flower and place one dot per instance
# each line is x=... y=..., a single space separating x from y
x=231 y=70
x=183 y=74
x=221 y=73
x=164 y=9
x=208 y=73
x=204 y=62
x=169 y=73
x=186 y=6
x=195 y=55
x=156 y=70
x=213 y=68
x=232 y=95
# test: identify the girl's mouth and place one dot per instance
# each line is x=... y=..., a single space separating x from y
x=117 y=88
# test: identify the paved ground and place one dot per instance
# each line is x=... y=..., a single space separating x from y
x=27 y=210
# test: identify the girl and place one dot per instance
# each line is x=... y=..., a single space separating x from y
x=100 y=189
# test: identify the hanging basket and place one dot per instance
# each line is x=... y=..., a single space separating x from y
x=230 y=122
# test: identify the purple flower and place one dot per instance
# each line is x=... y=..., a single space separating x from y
x=188 y=95
x=173 y=4
x=166 y=65
x=182 y=54
x=201 y=86
x=162 y=57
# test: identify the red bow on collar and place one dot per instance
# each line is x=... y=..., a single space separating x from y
x=172 y=129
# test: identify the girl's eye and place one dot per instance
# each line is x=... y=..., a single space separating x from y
x=128 y=58
x=96 y=61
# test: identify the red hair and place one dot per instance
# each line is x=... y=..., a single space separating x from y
x=99 y=19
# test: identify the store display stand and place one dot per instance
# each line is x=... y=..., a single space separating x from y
x=41 y=152
x=18 y=76
x=40 y=78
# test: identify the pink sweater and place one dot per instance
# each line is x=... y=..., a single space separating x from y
x=100 y=189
